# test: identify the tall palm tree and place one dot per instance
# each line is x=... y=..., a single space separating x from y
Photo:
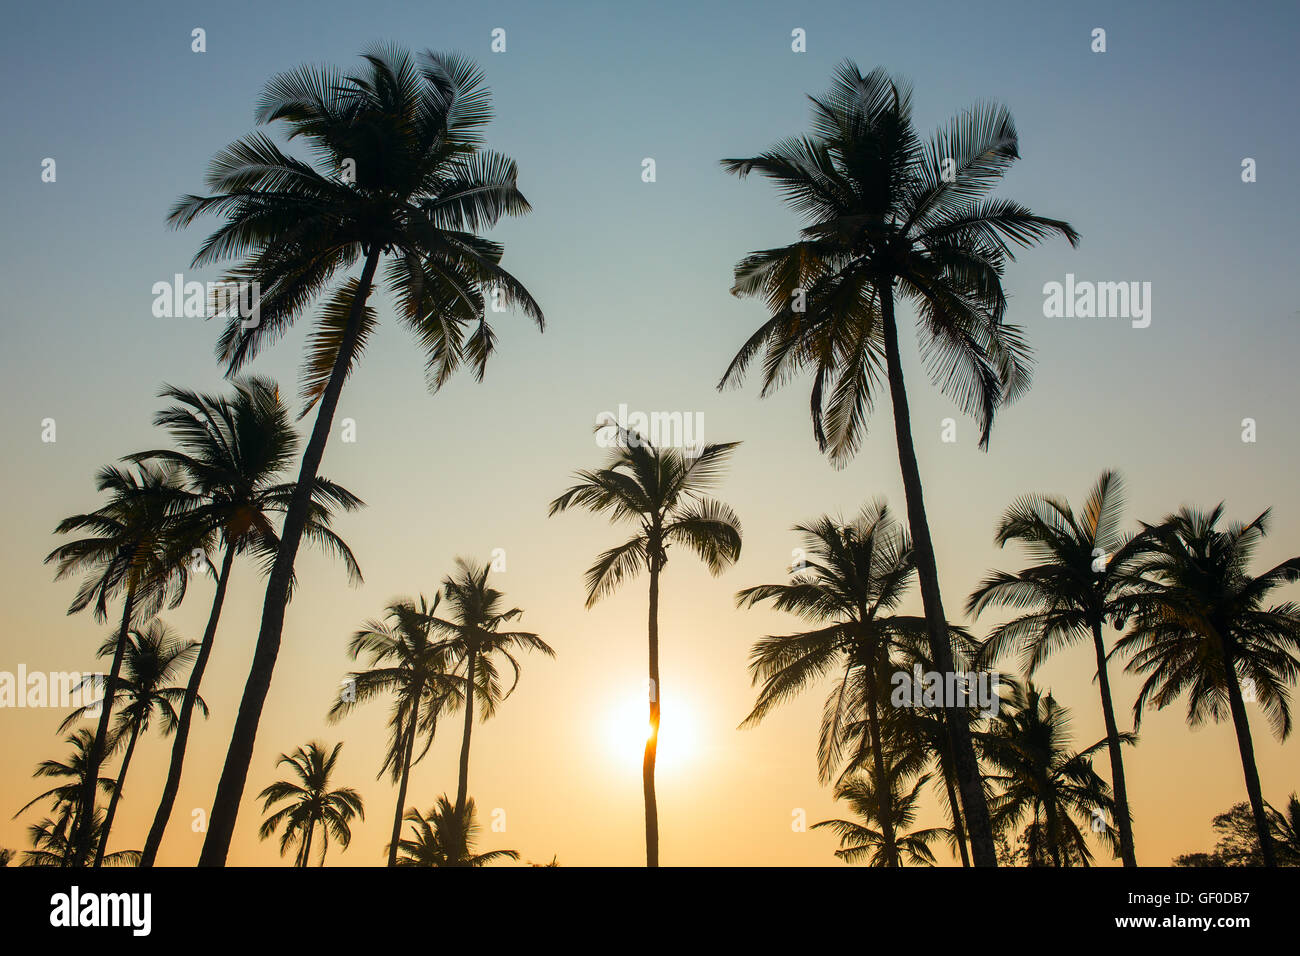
x=855 y=575
x=445 y=836
x=474 y=639
x=1035 y=774
x=154 y=655
x=311 y=803
x=662 y=490
x=232 y=451
x=415 y=670
x=135 y=547
x=399 y=174
x=873 y=842
x=888 y=217
x=1202 y=627
x=66 y=797
x=1083 y=565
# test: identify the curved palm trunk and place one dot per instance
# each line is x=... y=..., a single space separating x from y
x=1125 y=821
x=234 y=773
x=652 y=739
x=173 y=784
x=883 y=791
x=974 y=805
x=1241 y=724
x=81 y=835
x=117 y=795
x=406 y=776
x=462 y=787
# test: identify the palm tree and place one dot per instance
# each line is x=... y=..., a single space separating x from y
x=445 y=836
x=1286 y=830
x=406 y=664
x=875 y=842
x=232 y=450
x=135 y=548
x=1082 y=568
x=663 y=490
x=400 y=174
x=1201 y=627
x=1035 y=774
x=855 y=575
x=890 y=217
x=52 y=847
x=473 y=638
x=67 y=796
x=921 y=730
x=311 y=804
x=154 y=655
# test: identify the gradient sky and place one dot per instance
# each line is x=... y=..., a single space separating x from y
x=1140 y=148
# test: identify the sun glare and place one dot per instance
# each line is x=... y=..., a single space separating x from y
x=628 y=728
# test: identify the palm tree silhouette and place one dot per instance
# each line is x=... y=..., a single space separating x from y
x=473 y=637
x=854 y=576
x=1201 y=627
x=1286 y=830
x=231 y=450
x=311 y=804
x=51 y=845
x=154 y=655
x=887 y=217
x=874 y=842
x=67 y=796
x=920 y=732
x=663 y=491
x=137 y=549
x=446 y=836
x=415 y=670
x=1035 y=774
x=1083 y=566
x=400 y=174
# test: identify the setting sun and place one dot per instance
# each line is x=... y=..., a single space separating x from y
x=628 y=727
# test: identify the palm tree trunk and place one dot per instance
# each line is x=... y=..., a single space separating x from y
x=117 y=795
x=1053 y=834
x=1125 y=821
x=86 y=811
x=234 y=774
x=462 y=787
x=1241 y=724
x=974 y=805
x=883 y=789
x=306 y=845
x=406 y=775
x=946 y=768
x=173 y=784
x=652 y=738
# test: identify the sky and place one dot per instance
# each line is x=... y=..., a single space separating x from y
x=1140 y=148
